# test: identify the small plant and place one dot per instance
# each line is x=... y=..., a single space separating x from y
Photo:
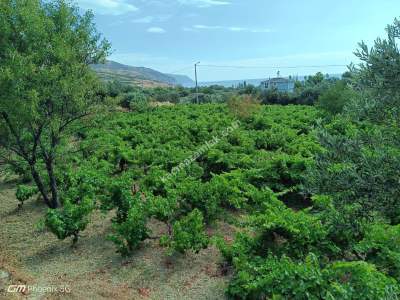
x=69 y=220
x=25 y=192
x=187 y=234
x=243 y=107
x=129 y=233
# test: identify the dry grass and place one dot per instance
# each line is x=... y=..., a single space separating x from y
x=93 y=270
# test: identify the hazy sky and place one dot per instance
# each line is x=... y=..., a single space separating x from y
x=171 y=35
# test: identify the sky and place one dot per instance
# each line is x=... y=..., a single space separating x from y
x=240 y=39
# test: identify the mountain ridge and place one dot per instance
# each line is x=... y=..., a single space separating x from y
x=143 y=76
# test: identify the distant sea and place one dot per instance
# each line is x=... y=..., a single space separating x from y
x=255 y=82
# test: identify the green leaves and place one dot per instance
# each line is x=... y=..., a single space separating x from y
x=46 y=81
x=187 y=234
x=69 y=220
x=24 y=192
x=381 y=246
x=130 y=232
x=285 y=278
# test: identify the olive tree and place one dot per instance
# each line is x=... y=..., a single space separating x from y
x=46 y=84
x=377 y=76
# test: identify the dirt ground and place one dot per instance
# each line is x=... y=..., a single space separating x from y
x=93 y=270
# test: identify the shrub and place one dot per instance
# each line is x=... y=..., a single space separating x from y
x=282 y=231
x=277 y=278
x=359 y=168
x=24 y=192
x=196 y=195
x=136 y=101
x=132 y=231
x=381 y=246
x=335 y=98
x=243 y=107
x=187 y=234
x=285 y=278
x=69 y=220
x=343 y=224
x=358 y=280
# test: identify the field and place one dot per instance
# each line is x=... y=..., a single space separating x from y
x=114 y=186
x=270 y=147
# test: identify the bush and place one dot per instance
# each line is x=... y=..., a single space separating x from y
x=24 y=192
x=70 y=220
x=187 y=234
x=381 y=246
x=284 y=278
x=282 y=231
x=358 y=280
x=196 y=195
x=360 y=167
x=335 y=98
x=343 y=224
x=277 y=278
x=243 y=107
x=132 y=231
x=136 y=101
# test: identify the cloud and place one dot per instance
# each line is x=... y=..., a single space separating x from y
x=207 y=27
x=108 y=7
x=227 y=28
x=151 y=19
x=204 y=3
x=156 y=30
x=145 y=20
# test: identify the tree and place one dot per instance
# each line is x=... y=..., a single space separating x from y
x=335 y=98
x=46 y=84
x=378 y=76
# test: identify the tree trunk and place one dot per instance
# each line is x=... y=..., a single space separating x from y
x=55 y=203
x=40 y=185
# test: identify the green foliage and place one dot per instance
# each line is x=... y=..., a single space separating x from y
x=80 y=187
x=195 y=195
x=187 y=234
x=136 y=101
x=71 y=219
x=335 y=98
x=343 y=224
x=358 y=280
x=305 y=93
x=231 y=175
x=24 y=192
x=381 y=246
x=46 y=81
x=277 y=278
x=377 y=77
x=358 y=161
x=243 y=107
x=285 y=278
x=282 y=231
x=130 y=232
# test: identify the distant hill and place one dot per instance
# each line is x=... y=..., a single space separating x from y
x=147 y=77
x=183 y=80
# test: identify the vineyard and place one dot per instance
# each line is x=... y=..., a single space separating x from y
x=113 y=191
x=246 y=196
x=118 y=162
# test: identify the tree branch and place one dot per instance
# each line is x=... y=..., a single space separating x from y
x=22 y=151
